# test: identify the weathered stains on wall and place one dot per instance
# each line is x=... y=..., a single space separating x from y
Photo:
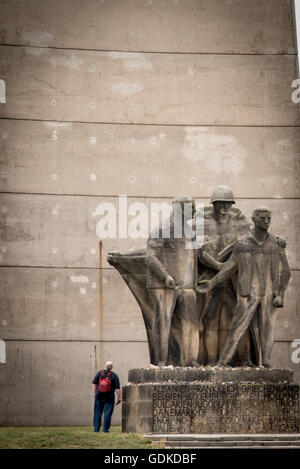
x=68 y=237
x=44 y=303
x=84 y=158
x=57 y=376
x=206 y=26
x=60 y=85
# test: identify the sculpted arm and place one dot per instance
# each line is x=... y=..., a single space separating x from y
x=158 y=269
x=283 y=279
x=226 y=272
x=214 y=262
x=209 y=261
x=113 y=257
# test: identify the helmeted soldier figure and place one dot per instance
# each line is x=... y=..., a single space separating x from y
x=223 y=224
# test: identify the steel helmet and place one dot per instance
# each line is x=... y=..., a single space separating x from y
x=222 y=194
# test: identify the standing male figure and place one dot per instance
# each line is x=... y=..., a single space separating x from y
x=105 y=401
x=163 y=279
x=263 y=274
x=171 y=278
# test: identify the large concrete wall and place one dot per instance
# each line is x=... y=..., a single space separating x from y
x=140 y=97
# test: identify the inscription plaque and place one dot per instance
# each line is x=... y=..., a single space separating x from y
x=225 y=408
x=212 y=401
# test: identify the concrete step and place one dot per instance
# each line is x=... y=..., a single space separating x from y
x=224 y=436
x=227 y=440
x=233 y=447
x=230 y=444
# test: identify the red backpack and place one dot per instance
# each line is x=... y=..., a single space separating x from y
x=104 y=382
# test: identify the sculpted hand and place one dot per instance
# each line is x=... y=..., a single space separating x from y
x=281 y=242
x=278 y=301
x=111 y=257
x=170 y=282
x=204 y=286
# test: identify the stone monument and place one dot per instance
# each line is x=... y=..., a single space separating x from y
x=202 y=379
x=223 y=224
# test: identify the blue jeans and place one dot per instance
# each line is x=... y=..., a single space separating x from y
x=100 y=407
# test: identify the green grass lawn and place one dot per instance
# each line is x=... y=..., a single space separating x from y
x=70 y=438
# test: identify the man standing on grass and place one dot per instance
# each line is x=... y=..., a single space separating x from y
x=105 y=384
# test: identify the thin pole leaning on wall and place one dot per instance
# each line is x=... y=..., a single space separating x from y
x=101 y=303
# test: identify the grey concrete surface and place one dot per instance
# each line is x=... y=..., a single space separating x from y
x=61 y=231
x=49 y=382
x=148 y=159
x=64 y=304
x=186 y=89
x=254 y=440
x=282 y=352
x=174 y=375
x=234 y=26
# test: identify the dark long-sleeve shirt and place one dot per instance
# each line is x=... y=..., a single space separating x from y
x=115 y=384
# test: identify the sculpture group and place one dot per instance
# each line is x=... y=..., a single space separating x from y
x=215 y=303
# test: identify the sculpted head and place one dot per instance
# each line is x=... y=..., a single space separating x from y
x=183 y=203
x=261 y=218
x=222 y=199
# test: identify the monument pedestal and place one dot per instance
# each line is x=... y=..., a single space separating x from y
x=210 y=400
